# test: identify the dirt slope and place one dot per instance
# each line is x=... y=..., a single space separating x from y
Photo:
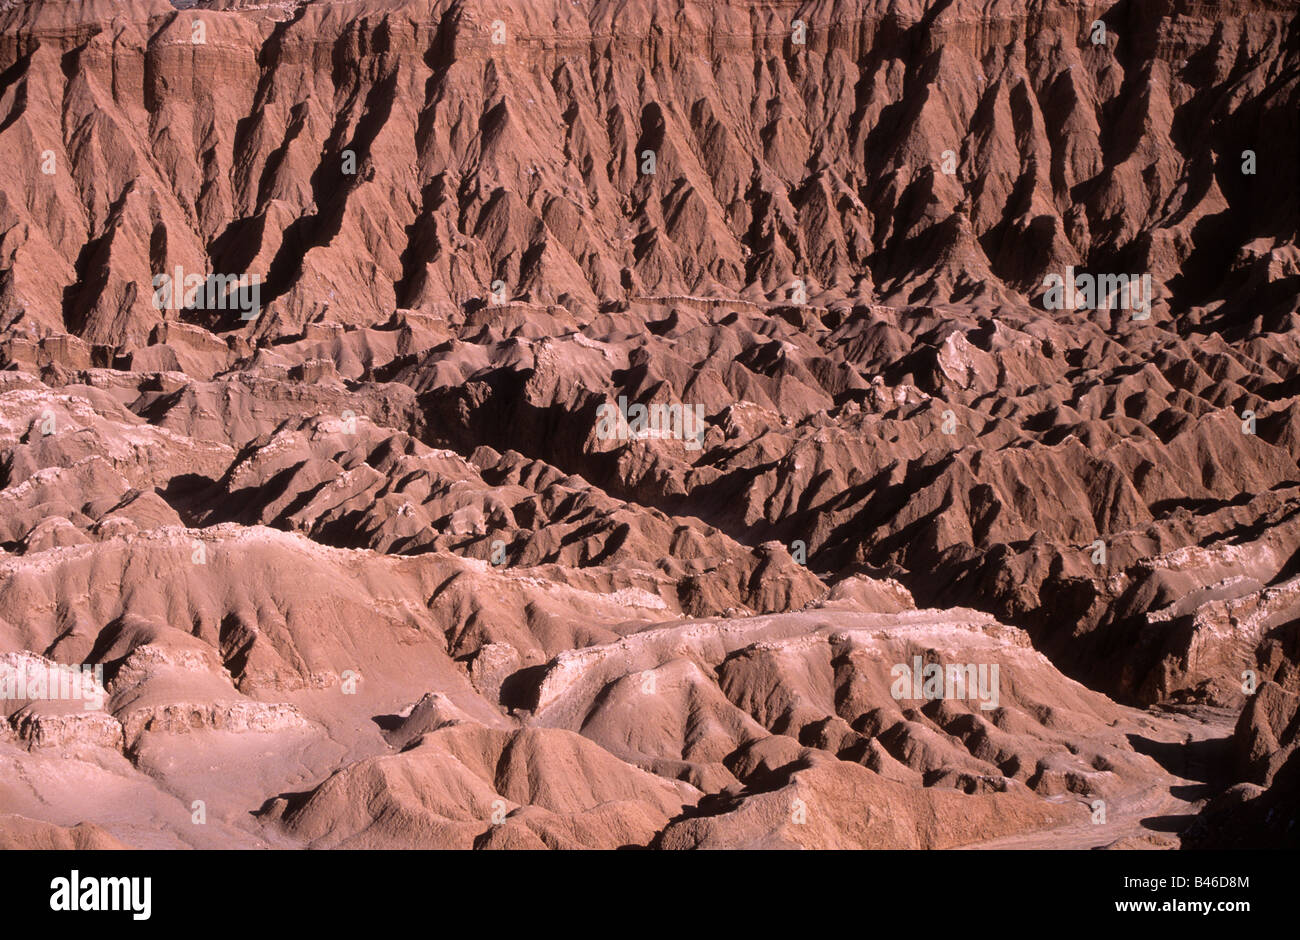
x=372 y=549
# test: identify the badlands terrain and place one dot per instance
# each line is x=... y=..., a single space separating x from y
x=351 y=554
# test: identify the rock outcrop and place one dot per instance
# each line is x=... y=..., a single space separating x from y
x=550 y=424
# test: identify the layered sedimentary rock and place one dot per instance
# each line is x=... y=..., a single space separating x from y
x=965 y=335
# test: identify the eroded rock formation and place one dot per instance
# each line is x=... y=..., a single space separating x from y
x=372 y=566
